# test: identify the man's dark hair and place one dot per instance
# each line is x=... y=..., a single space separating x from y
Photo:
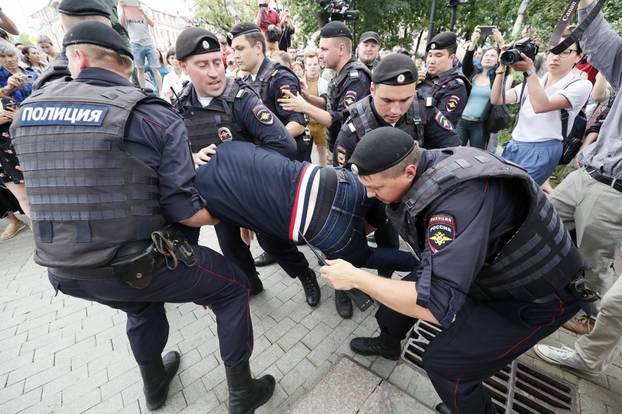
x=255 y=37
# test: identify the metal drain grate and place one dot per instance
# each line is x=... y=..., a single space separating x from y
x=516 y=389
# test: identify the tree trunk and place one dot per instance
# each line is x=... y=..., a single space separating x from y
x=518 y=24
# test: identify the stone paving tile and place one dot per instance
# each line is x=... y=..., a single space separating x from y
x=66 y=355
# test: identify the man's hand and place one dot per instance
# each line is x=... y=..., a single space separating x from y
x=6 y=115
x=477 y=33
x=498 y=37
x=523 y=65
x=422 y=74
x=247 y=236
x=204 y=155
x=340 y=274
x=15 y=82
x=294 y=103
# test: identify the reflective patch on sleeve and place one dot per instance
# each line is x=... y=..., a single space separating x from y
x=443 y=122
x=342 y=158
x=39 y=114
x=452 y=103
x=263 y=115
x=349 y=98
x=441 y=232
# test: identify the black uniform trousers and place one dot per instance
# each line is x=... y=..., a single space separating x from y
x=213 y=281
x=284 y=251
x=387 y=236
x=483 y=339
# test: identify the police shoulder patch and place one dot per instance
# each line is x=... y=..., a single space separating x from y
x=349 y=98
x=452 y=103
x=263 y=115
x=441 y=231
x=443 y=122
x=284 y=91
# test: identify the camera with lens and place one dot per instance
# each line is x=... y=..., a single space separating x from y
x=339 y=10
x=513 y=54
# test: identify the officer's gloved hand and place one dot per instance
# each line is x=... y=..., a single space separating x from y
x=204 y=155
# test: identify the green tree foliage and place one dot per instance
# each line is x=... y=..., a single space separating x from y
x=221 y=15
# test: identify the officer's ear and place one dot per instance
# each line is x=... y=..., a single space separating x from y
x=410 y=171
x=372 y=89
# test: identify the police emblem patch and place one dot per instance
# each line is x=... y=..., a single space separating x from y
x=433 y=46
x=401 y=78
x=441 y=232
x=443 y=122
x=205 y=45
x=452 y=103
x=224 y=134
x=263 y=115
x=354 y=169
x=285 y=89
x=350 y=98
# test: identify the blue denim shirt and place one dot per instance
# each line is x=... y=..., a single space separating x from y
x=22 y=93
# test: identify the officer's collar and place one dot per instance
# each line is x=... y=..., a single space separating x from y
x=103 y=76
x=347 y=65
x=194 y=102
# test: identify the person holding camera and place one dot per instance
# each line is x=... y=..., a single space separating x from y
x=472 y=125
x=15 y=81
x=537 y=140
x=266 y=17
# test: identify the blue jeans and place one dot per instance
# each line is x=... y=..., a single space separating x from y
x=142 y=52
x=342 y=235
x=537 y=158
x=473 y=132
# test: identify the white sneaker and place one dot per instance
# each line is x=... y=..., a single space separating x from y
x=564 y=356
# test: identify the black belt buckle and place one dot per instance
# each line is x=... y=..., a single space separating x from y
x=582 y=291
x=137 y=270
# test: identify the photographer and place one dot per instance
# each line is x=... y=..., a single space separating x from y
x=15 y=82
x=265 y=17
x=472 y=125
x=536 y=143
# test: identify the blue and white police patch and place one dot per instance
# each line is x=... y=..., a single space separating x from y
x=263 y=115
x=441 y=231
x=443 y=122
x=41 y=114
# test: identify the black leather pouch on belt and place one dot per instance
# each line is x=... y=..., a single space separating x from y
x=137 y=268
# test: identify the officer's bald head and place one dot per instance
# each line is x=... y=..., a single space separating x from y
x=335 y=51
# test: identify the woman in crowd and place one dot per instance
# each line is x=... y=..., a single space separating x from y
x=34 y=60
x=472 y=126
x=15 y=81
x=536 y=143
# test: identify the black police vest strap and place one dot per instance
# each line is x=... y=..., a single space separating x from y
x=87 y=195
x=204 y=125
x=416 y=118
x=351 y=69
x=538 y=260
x=261 y=84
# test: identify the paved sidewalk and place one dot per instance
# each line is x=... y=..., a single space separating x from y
x=65 y=355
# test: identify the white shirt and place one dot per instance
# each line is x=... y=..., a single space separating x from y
x=532 y=127
x=205 y=101
x=171 y=80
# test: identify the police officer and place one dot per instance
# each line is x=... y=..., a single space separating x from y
x=97 y=203
x=270 y=80
x=350 y=84
x=497 y=271
x=443 y=85
x=216 y=107
x=394 y=101
x=72 y=12
x=369 y=49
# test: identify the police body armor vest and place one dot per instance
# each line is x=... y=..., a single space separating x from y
x=362 y=119
x=88 y=196
x=430 y=88
x=261 y=84
x=540 y=257
x=206 y=126
x=351 y=69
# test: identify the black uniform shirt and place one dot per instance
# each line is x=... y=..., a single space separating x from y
x=457 y=234
x=156 y=135
x=449 y=93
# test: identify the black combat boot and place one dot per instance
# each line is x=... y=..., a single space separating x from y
x=442 y=408
x=343 y=304
x=246 y=393
x=264 y=259
x=310 y=286
x=384 y=345
x=157 y=377
x=255 y=285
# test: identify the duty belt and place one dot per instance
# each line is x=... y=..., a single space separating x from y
x=611 y=182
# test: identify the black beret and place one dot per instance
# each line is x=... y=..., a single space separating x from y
x=395 y=69
x=195 y=41
x=99 y=34
x=381 y=149
x=335 y=28
x=443 y=40
x=370 y=36
x=83 y=8
x=242 y=29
